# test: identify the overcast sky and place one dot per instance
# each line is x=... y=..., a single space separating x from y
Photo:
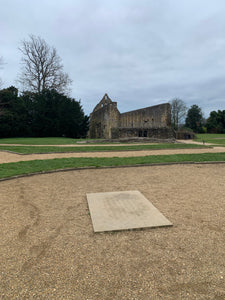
x=140 y=52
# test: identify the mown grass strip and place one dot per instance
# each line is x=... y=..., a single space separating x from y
x=40 y=141
x=26 y=167
x=52 y=149
x=217 y=139
x=206 y=137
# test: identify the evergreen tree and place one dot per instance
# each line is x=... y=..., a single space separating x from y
x=43 y=114
x=194 y=118
x=8 y=114
x=216 y=122
x=55 y=114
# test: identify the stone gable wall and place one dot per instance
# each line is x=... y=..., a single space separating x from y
x=103 y=120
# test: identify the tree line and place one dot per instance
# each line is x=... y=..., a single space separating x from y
x=44 y=114
x=43 y=109
x=192 y=118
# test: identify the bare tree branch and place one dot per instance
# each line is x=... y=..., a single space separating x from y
x=42 y=67
x=178 y=112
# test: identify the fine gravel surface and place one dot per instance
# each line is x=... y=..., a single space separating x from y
x=48 y=249
x=7 y=157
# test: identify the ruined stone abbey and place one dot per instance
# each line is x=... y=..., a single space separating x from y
x=106 y=122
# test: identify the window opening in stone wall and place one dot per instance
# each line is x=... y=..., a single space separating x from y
x=145 y=133
x=140 y=133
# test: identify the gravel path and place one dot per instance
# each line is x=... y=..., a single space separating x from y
x=48 y=249
x=81 y=145
x=6 y=157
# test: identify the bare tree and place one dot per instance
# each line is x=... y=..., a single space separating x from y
x=178 y=112
x=42 y=67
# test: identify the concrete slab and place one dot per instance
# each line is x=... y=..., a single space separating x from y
x=123 y=210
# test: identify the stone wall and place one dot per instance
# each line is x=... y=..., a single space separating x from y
x=105 y=116
x=153 y=122
x=158 y=116
x=154 y=133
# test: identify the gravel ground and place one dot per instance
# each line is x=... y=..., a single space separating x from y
x=48 y=249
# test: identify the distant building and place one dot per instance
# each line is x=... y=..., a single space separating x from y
x=106 y=122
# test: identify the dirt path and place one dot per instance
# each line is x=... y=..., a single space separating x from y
x=80 y=145
x=48 y=249
x=6 y=157
x=105 y=145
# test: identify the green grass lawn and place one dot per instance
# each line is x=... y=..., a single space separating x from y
x=52 y=149
x=26 y=167
x=40 y=141
x=216 y=139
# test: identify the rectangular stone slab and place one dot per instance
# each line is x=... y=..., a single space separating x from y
x=123 y=210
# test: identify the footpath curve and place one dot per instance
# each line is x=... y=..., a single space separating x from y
x=7 y=157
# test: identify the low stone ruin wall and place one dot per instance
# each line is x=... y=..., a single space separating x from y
x=156 y=133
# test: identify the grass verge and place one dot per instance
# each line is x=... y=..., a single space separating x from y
x=26 y=167
x=40 y=141
x=54 y=149
x=216 y=139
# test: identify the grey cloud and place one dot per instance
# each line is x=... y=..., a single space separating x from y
x=140 y=52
